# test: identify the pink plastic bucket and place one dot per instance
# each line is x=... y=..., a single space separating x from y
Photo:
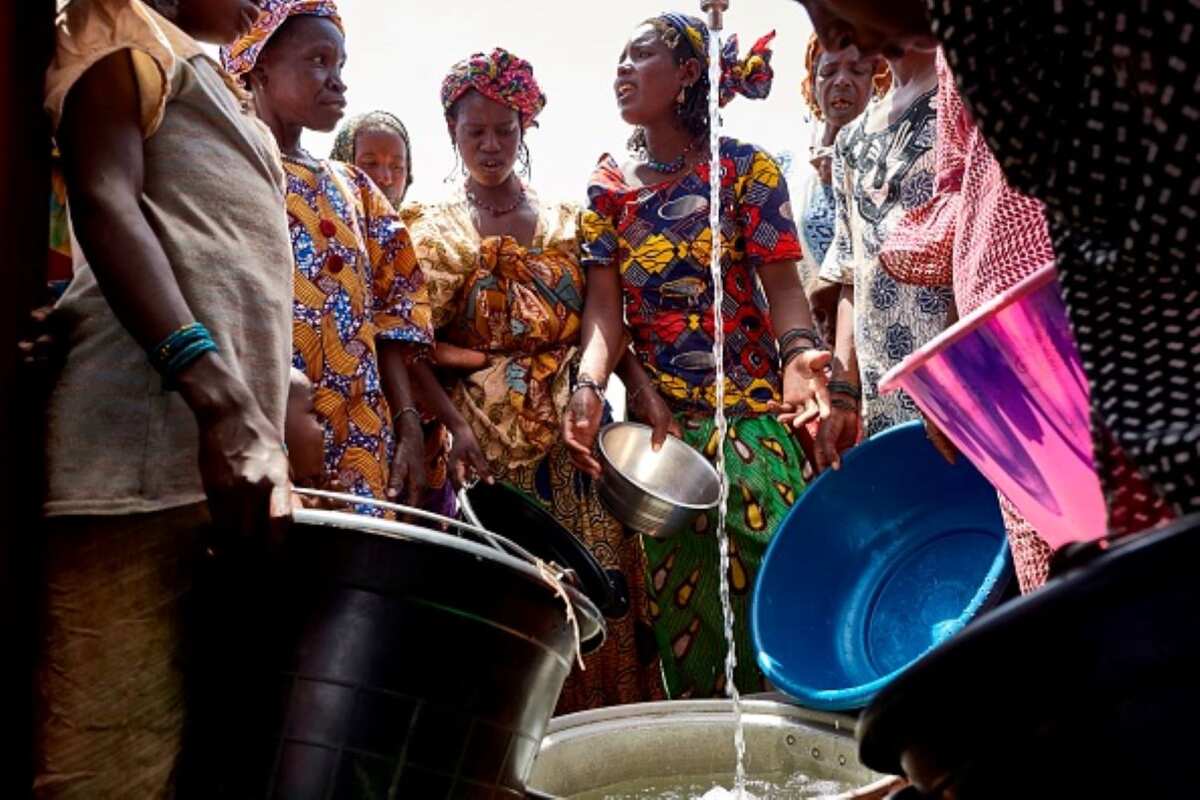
x=1006 y=385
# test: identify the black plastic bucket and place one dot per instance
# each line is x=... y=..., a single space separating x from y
x=404 y=663
x=1089 y=687
x=507 y=512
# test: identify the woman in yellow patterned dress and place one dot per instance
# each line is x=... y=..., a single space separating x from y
x=360 y=308
x=506 y=290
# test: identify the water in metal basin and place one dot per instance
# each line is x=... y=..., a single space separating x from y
x=706 y=787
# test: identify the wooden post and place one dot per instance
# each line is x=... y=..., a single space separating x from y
x=26 y=44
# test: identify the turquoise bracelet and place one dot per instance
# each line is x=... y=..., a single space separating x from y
x=180 y=350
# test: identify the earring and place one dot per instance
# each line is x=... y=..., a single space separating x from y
x=681 y=98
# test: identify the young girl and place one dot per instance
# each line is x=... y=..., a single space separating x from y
x=646 y=244
x=361 y=307
x=377 y=143
x=168 y=416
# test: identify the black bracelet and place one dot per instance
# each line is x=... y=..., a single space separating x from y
x=847 y=388
x=790 y=355
x=812 y=335
x=844 y=403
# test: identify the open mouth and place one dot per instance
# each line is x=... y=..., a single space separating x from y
x=490 y=164
x=624 y=90
x=841 y=104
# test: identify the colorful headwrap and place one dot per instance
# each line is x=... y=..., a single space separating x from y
x=499 y=76
x=749 y=77
x=241 y=56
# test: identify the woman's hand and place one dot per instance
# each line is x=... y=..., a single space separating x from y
x=581 y=426
x=837 y=433
x=647 y=405
x=408 y=461
x=805 y=390
x=940 y=441
x=465 y=461
x=242 y=463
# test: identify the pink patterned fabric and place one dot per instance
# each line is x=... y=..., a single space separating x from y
x=1000 y=237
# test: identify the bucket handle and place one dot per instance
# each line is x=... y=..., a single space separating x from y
x=476 y=530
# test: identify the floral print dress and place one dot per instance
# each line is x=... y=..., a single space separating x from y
x=880 y=172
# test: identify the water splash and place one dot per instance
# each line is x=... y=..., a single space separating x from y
x=719 y=420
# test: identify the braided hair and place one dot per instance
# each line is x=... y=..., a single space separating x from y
x=881 y=82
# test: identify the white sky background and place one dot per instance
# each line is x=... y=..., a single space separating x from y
x=399 y=51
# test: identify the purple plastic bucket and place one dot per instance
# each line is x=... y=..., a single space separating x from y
x=1006 y=385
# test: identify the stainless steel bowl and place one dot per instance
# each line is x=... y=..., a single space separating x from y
x=659 y=493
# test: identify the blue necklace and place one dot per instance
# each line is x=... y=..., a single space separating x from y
x=666 y=167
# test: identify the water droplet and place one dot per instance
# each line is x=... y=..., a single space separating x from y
x=841 y=760
x=791 y=739
x=816 y=753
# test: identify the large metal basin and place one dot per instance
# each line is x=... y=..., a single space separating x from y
x=592 y=750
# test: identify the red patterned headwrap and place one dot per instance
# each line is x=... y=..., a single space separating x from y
x=499 y=76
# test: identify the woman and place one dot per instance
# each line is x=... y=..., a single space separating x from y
x=836 y=88
x=378 y=144
x=167 y=420
x=646 y=245
x=507 y=292
x=884 y=167
x=361 y=307
x=1004 y=54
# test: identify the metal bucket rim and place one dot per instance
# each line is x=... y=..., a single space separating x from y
x=643 y=488
x=673 y=711
x=893 y=379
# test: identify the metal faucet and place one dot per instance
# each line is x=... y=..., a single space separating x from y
x=715 y=10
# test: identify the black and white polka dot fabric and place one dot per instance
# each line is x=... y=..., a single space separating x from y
x=1093 y=106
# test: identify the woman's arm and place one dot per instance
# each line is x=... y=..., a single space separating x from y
x=465 y=456
x=805 y=394
x=839 y=432
x=643 y=402
x=242 y=463
x=601 y=337
x=408 y=462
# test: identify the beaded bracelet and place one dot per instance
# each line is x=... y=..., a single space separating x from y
x=588 y=382
x=180 y=350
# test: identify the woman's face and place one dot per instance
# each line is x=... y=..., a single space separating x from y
x=488 y=136
x=217 y=21
x=843 y=84
x=875 y=28
x=300 y=74
x=381 y=153
x=648 y=79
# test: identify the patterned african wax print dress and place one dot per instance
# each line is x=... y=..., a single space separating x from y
x=880 y=172
x=356 y=282
x=522 y=307
x=658 y=237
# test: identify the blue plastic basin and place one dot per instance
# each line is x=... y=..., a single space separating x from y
x=876 y=564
